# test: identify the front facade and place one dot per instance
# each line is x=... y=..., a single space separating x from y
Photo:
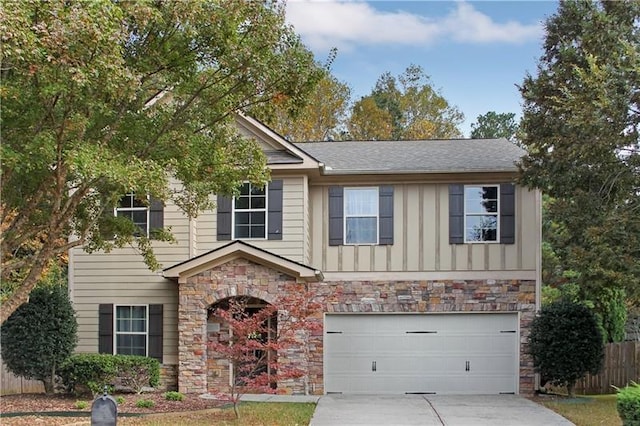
x=425 y=254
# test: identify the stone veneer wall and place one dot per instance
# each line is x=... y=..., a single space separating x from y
x=200 y=373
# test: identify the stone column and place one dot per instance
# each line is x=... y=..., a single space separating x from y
x=192 y=340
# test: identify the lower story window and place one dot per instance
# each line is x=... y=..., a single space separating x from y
x=131 y=330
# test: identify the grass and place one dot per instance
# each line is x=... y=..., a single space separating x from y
x=251 y=414
x=594 y=410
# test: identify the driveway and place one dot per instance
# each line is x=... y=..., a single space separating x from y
x=437 y=410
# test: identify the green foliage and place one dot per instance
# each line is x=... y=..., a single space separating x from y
x=404 y=108
x=173 y=396
x=81 y=405
x=628 y=405
x=610 y=305
x=494 y=125
x=40 y=335
x=580 y=128
x=102 y=98
x=145 y=403
x=566 y=343
x=94 y=371
x=120 y=400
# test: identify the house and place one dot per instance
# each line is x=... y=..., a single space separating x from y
x=430 y=249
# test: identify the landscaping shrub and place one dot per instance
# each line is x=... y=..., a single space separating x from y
x=81 y=405
x=94 y=371
x=173 y=396
x=41 y=334
x=566 y=343
x=628 y=404
x=144 y=403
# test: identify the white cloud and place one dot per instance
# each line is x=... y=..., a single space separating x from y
x=325 y=24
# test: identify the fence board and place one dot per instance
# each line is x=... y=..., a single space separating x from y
x=621 y=366
x=11 y=384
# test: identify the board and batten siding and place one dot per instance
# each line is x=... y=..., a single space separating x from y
x=121 y=277
x=421 y=236
x=292 y=245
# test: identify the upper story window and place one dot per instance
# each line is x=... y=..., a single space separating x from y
x=131 y=330
x=250 y=212
x=481 y=216
x=361 y=215
x=135 y=209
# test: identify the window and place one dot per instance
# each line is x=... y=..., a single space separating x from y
x=131 y=330
x=136 y=210
x=250 y=212
x=361 y=215
x=481 y=204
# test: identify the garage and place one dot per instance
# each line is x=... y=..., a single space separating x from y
x=421 y=353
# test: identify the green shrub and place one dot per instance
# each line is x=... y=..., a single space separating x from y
x=120 y=400
x=40 y=335
x=566 y=343
x=81 y=405
x=144 y=403
x=94 y=371
x=173 y=396
x=628 y=404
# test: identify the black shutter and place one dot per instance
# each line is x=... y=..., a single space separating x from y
x=385 y=206
x=105 y=328
x=275 y=210
x=507 y=213
x=456 y=213
x=155 y=332
x=336 y=213
x=224 y=217
x=156 y=215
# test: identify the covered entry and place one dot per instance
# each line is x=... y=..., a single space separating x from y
x=421 y=353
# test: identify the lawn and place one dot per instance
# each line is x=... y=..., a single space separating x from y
x=251 y=414
x=593 y=410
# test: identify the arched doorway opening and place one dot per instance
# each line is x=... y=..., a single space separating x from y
x=251 y=325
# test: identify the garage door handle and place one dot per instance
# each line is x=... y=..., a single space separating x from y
x=467 y=367
x=373 y=366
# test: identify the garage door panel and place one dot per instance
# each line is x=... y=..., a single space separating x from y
x=399 y=353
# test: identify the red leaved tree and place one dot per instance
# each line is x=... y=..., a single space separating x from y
x=253 y=343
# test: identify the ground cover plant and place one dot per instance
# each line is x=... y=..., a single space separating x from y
x=594 y=410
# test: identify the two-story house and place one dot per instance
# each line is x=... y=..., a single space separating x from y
x=429 y=251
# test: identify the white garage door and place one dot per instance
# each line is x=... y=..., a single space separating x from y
x=421 y=353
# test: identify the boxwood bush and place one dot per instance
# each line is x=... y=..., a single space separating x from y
x=628 y=404
x=93 y=372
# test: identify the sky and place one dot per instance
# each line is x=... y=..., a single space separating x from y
x=475 y=52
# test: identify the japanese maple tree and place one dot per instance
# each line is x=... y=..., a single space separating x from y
x=252 y=356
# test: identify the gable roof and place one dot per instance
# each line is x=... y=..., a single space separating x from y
x=422 y=156
x=241 y=249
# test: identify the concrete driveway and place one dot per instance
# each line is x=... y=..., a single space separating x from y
x=437 y=410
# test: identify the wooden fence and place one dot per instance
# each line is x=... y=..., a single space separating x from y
x=11 y=384
x=621 y=366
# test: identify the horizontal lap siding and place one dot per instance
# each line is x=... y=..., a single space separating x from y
x=421 y=237
x=121 y=277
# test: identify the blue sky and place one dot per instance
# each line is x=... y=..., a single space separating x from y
x=475 y=52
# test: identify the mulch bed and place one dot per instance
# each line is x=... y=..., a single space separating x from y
x=41 y=409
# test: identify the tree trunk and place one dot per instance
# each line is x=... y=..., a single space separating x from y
x=49 y=387
x=571 y=389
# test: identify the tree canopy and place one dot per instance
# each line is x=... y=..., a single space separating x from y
x=580 y=126
x=104 y=98
x=496 y=125
x=406 y=107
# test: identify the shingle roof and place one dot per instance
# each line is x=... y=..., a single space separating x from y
x=424 y=156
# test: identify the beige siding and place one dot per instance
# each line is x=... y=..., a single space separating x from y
x=294 y=217
x=421 y=237
x=121 y=277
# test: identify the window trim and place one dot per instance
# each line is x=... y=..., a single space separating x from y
x=146 y=208
x=497 y=214
x=249 y=210
x=116 y=332
x=345 y=216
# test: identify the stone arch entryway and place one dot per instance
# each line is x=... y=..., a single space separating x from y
x=221 y=371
